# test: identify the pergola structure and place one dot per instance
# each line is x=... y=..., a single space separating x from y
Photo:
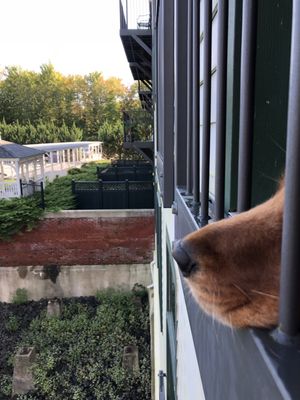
x=66 y=155
x=19 y=163
x=32 y=163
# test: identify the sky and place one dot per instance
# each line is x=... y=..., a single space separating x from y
x=76 y=36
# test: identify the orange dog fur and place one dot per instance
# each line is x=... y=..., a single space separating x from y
x=236 y=279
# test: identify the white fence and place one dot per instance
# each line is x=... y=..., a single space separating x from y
x=9 y=189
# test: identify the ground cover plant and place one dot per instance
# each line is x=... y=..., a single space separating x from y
x=23 y=213
x=80 y=353
x=58 y=194
x=18 y=214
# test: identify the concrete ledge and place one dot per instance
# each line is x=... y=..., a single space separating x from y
x=101 y=213
x=69 y=281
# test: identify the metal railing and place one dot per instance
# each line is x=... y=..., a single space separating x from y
x=121 y=173
x=198 y=146
x=135 y=14
x=289 y=318
x=31 y=188
x=130 y=163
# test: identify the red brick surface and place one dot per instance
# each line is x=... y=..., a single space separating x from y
x=82 y=242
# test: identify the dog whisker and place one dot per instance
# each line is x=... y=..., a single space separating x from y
x=272 y=296
x=242 y=291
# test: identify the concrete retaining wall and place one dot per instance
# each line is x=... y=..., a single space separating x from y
x=69 y=281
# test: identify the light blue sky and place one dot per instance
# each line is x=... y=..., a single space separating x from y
x=77 y=36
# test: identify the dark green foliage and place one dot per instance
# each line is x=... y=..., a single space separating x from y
x=80 y=353
x=12 y=324
x=58 y=194
x=24 y=213
x=21 y=296
x=42 y=132
x=17 y=215
x=14 y=320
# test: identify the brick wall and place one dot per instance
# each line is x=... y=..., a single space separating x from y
x=106 y=239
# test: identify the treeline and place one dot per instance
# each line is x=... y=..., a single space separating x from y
x=47 y=106
x=42 y=132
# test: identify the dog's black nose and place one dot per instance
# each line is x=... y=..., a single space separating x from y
x=183 y=259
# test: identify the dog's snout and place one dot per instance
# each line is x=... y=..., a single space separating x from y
x=183 y=258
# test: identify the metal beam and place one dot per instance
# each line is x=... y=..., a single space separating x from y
x=142 y=44
x=147 y=83
x=138 y=66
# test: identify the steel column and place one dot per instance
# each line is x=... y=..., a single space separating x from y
x=290 y=258
x=206 y=112
x=221 y=108
x=248 y=53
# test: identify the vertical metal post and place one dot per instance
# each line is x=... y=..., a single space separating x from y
x=189 y=167
x=180 y=90
x=290 y=258
x=206 y=113
x=127 y=193
x=21 y=187
x=100 y=194
x=73 y=186
x=221 y=108
x=42 y=196
x=248 y=53
x=162 y=377
x=196 y=95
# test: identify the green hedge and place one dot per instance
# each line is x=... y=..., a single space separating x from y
x=23 y=214
x=17 y=215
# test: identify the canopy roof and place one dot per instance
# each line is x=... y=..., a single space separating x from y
x=63 y=145
x=13 y=150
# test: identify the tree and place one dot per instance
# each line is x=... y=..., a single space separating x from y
x=46 y=106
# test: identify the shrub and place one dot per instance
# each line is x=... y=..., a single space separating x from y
x=58 y=194
x=21 y=296
x=24 y=213
x=80 y=354
x=12 y=324
x=18 y=214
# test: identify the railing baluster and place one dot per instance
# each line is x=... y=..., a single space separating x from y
x=196 y=95
x=221 y=108
x=290 y=257
x=189 y=167
x=248 y=53
x=206 y=113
